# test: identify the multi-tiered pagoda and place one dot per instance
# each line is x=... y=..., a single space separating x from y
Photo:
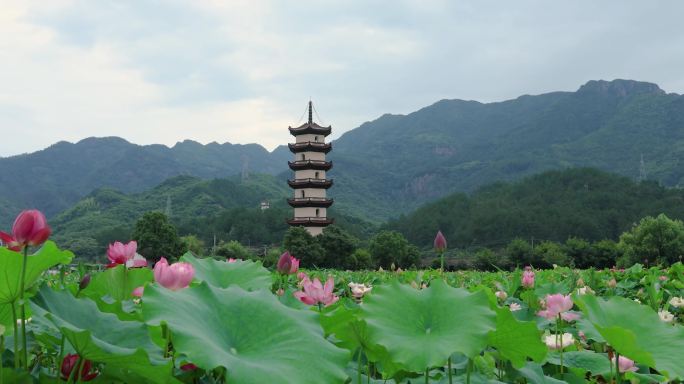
x=310 y=182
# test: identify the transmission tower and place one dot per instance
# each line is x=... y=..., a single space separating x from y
x=642 y=169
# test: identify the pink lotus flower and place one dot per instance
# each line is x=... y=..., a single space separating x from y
x=315 y=293
x=231 y=260
x=173 y=277
x=29 y=228
x=120 y=253
x=528 y=278
x=287 y=264
x=440 y=242
x=136 y=262
x=624 y=364
x=558 y=305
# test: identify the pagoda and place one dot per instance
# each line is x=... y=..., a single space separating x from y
x=310 y=182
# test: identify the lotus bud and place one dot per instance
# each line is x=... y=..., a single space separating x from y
x=85 y=281
x=440 y=242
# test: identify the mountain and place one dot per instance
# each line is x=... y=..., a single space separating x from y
x=57 y=177
x=554 y=205
x=455 y=145
x=395 y=163
x=226 y=208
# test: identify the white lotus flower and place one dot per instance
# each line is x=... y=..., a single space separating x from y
x=515 y=307
x=676 y=302
x=567 y=340
x=585 y=291
x=501 y=295
x=358 y=290
x=666 y=316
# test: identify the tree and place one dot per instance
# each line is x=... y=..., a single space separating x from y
x=157 y=237
x=338 y=245
x=580 y=252
x=388 y=247
x=549 y=253
x=658 y=239
x=360 y=259
x=193 y=244
x=606 y=253
x=520 y=252
x=299 y=242
x=233 y=250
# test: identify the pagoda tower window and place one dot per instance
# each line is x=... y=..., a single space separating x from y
x=318 y=212
x=303 y=156
x=316 y=175
x=303 y=195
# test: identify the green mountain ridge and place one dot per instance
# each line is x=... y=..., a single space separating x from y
x=554 y=205
x=396 y=163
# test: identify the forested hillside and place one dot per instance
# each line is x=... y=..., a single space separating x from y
x=554 y=205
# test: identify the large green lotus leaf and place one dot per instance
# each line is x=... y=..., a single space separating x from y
x=596 y=363
x=245 y=274
x=636 y=332
x=102 y=337
x=516 y=340
x=11 y=263
x=535 y=375
x=422 y=328
x=118 y=283
x=255 y=337
x=6 y=317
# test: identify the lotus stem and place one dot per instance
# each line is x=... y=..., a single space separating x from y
x=427 y=377
x=468 y=369
x=560 y=343
x=23 y=308
x=16 y=336
x=61 y=354
x=618 y=379
x=2 y=349
x=449 y=368
x=358 y=366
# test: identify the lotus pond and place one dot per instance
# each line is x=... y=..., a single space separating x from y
x=237 y=322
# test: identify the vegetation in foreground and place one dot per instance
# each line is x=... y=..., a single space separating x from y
x=216 y=321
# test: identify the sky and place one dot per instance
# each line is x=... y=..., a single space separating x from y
x=243 y=71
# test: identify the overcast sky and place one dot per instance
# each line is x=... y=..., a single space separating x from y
x=242 y=71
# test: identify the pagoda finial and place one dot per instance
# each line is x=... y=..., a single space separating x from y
x=310 y=112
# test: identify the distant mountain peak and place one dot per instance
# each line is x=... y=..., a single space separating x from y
x=620 y=87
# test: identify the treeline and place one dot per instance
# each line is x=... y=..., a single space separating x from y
x=552 y=206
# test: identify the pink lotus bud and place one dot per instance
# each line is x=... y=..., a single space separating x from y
x=231 y=260
x=612 y=283
x=440 y=242
x=30 y=228
x=85 y=281
x=287 y=265
x=138 y=292
x=188 y=367
x=624 y=364
x=528 y=278
x=173 y=277
x=69 y=363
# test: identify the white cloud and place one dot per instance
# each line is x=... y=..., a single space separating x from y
x=242 y=71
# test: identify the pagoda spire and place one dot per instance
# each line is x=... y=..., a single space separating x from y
x=310 y=112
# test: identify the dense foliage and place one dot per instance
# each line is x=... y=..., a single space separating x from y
x=394 y=326
x=552 y=206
